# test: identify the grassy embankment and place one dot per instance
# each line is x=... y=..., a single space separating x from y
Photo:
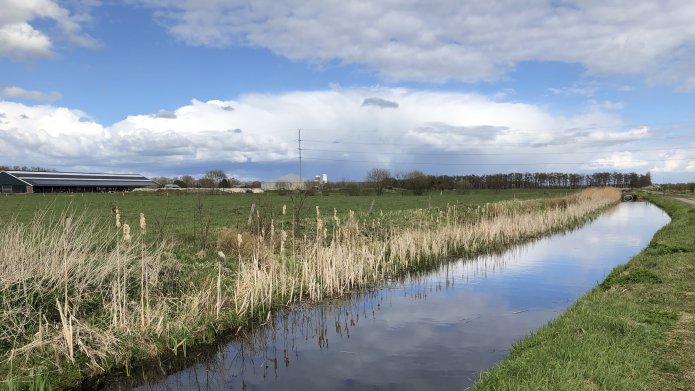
x=79 y=299
x=635 y=331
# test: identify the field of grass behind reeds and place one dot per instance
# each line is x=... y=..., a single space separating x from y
x=83 y=295
x=183 y=217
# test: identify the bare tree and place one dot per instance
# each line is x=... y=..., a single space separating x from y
x=216 y=176
x=379 y=177
x=188 y=180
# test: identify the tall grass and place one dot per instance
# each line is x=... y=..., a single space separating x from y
x=85 y=296
x=344 y=254
x=75 y=294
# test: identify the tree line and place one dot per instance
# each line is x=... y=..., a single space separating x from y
x=419 y=182
x=213 y=179
x=25 y=168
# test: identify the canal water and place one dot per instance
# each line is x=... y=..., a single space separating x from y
x=434 y=331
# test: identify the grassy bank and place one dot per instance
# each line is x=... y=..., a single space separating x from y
x=635 y=331
x=81 y=296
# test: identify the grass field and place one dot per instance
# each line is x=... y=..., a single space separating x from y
x=635 y=331
x=81 y=295
x=182 y=217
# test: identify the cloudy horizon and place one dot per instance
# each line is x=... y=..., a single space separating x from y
x=170 y=87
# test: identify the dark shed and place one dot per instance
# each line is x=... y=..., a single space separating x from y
x=64 y=182
x=11 y=184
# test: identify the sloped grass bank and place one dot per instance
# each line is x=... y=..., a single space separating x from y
x=635 y=331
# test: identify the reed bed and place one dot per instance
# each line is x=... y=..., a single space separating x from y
x=344 y=253
x=80 y=297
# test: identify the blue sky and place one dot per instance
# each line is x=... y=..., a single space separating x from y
x=174 y=87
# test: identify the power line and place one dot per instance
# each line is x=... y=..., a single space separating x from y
x=496 y=164
x=299 y=142
x=493 y=144
x=492 y=154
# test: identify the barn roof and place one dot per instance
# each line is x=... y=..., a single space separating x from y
x=56 y=179
x=291 y=178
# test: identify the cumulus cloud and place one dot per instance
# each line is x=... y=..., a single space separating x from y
x=21 y=93
x=468 y=41
x=433 y=131
x=378 y=102
x=674 y=161
x=20 y=39
x=618 y=160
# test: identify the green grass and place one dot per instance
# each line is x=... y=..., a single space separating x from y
x=176 y=216
x=635 y=331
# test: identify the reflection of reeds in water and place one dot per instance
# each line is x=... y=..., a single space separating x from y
x=359 y=253
x=263 y=351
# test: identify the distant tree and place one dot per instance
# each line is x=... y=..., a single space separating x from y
x=206 y=183
x=180 y=183
x=224 y=183
x=162 y=180
x=26 y=168
x=233 y=181
x=216 y=176
x=418 y=182
x=645 y=180
x=188 y=180
x=378 y=178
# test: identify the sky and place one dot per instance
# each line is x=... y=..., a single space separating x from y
x=180 y=87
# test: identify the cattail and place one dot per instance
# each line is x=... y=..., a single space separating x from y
x=239 y=240
x=318 y=213
x=283 y=238
x=118 y=218
x=126 y=232
x=143 y=224
x=284 y=209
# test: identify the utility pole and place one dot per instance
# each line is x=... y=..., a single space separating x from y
x=299 y=142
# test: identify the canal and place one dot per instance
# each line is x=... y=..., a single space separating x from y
x=436 y=330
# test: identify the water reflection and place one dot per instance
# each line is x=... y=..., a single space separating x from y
x=424 y=331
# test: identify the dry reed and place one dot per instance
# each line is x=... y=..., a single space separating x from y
x=360 y=253
x=70 y=288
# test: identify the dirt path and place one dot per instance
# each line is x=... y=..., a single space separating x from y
x=692 y=202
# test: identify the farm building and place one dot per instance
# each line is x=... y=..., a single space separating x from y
x=286 y=182
x=68 y=182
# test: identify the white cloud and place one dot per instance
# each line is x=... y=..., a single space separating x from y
x=618 y=160
x=19 y=39
x=432 y=131
x=674 y=162
x=21 y=93
x=439 y=41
